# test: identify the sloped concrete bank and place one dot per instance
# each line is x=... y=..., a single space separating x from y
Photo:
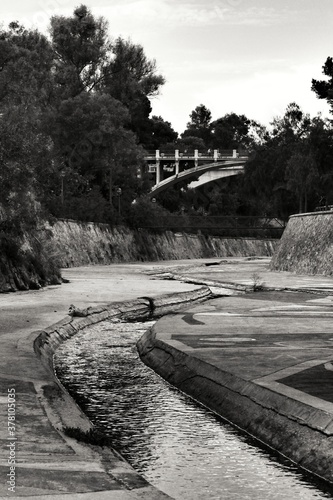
x=61 y=409
x=292 y=428
x=78 y=244
x=306 y=246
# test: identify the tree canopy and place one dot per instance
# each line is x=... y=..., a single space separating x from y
x=75 y=116
x=324 y=88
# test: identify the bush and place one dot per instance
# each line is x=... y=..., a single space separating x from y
x=145 y=213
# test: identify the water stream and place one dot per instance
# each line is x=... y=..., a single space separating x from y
x=177 y=445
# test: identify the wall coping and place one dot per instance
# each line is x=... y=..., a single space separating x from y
x=309 y=214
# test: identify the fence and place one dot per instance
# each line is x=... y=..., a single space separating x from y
x=228 y=226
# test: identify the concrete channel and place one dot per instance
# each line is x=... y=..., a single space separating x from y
x=50 y=464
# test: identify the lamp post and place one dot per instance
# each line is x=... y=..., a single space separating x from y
x=119 y=193
x=62 y=197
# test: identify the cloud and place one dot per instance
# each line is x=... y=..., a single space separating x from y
x=135 y=16
x=169 y=15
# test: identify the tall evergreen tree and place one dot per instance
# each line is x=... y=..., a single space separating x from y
x=81 y=49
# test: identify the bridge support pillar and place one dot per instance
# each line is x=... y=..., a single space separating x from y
x=158 y=167
x=158 y=172
x=215 y=154
x=177 y=161
x=196 y=157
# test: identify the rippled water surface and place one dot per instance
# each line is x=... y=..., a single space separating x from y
x=179 y=446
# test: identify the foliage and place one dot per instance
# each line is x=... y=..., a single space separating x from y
x=289 y=168
x=26 y=62
x=131 y=78
x=74 y=118
x=81 y=51
x=285 y=175
x=145 y=210
x=324 y=88
x=302 y=175
x=24 y=153
x=199 y=124
x=190 y=143
x=231 y=132
x=161 y=133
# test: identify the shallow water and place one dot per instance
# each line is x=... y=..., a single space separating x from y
x=177 y=445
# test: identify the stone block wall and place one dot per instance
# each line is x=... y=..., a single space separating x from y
x=70 y=244
x=77 y=244
x=306 y=246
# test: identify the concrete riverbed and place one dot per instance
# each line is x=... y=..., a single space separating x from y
x=49 y=464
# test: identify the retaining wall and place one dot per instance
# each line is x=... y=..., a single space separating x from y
x=76 y=244
x=306 y=246
x=71 y=243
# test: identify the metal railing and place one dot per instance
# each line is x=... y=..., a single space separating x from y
x=228 y=226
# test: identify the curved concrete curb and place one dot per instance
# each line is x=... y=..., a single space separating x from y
x=47 y=341
x=61 y=409
x=293 y=429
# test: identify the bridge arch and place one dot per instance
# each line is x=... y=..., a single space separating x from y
x=208 y=167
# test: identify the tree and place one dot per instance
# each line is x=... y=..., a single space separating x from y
x=26 y=60
x=293 y=126
x=161 y=133
x=231 y=131
x=82 y=51
x=74 y=109
x=189 y=142
x=200 y=124
x=132 y=78
x=302 y=177
x=324 y=88
x=24 y=152
x=200 y=117
x=284 y=175
x=93 y=145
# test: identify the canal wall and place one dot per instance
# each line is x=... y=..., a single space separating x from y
x=69 y=243
x=48 y=340
x=306 y=246
x=77 y=243
x=297 y=431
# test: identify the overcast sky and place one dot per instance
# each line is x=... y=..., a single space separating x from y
x=250 y=57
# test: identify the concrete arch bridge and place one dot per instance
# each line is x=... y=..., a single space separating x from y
x=171 y=168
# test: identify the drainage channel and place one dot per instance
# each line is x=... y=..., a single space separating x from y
x=177 y=445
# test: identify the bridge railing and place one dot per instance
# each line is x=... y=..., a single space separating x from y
x=227 y=226
x=194 y=153
x=324 y=208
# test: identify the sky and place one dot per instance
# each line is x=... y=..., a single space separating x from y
x=250 y=57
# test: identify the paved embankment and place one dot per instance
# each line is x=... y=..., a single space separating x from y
x=262 y=360
x=47 y=463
